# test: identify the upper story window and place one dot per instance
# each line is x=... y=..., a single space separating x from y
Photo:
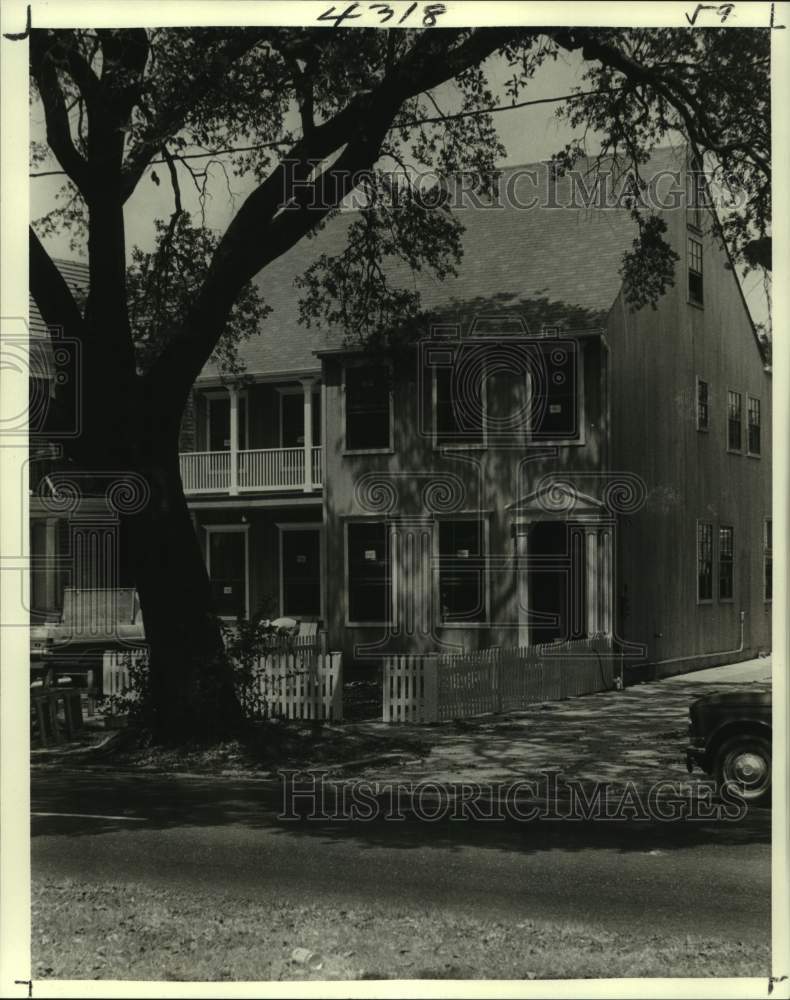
x=734 y=420
x=768 y=559
x=703 y=405
x=462 y=572
x=704 y=561
x=369 y=567
x=505 y=393
x=726 y=563
x=460 y=404
x=753 y=431
x=368 y=405
x=554 y=403
x=695 y=289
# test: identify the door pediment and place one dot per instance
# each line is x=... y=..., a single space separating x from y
x=557 y=498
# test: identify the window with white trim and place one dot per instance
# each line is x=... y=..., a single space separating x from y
x=704 y=561
x=753 y=442
x=554 y=404
x=369 y=572
x=726 y=563
x=368 y=406
x=734 y=420
x=459 y=415
x=695 y=285
x=462 y=571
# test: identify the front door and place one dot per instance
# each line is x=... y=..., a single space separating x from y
x=555 y=575
x=227 y=566
x=301 y=572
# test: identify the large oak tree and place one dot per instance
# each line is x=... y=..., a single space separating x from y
x=309 y=115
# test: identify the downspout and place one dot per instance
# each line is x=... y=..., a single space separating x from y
x=702 y=656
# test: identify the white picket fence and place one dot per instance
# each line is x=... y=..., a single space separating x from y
x=299 y=684
x=115 y=669
x=437 y=688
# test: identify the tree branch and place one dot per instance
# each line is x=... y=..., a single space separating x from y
x=262 y=230
x=56 y=116
x=172 y=118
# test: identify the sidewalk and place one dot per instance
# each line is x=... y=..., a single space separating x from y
x=636 y=735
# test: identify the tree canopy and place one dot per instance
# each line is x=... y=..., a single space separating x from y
x=310 y=114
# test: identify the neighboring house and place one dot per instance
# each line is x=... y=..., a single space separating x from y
x=75 y=541
x=544 y=465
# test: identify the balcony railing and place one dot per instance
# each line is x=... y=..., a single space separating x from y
x=259 y=469
x=205 y=471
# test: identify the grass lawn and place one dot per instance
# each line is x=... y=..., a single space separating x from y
x=114 y=931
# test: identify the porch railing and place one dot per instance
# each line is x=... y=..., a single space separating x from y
x=259 y=469
x=205 y=471
x=271 y=468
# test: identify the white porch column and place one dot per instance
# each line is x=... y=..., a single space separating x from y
x=307 y=388
x=591 y=593
x=234 y=439
x=522 y=580
x=606 y=581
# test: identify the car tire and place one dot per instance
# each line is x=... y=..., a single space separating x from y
x=743 y=764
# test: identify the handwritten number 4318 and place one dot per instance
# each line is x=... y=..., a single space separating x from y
x=430 y=12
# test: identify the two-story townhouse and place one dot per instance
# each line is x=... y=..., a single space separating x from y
x=542 y=464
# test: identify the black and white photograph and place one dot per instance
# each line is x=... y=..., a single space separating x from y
x=394 y=498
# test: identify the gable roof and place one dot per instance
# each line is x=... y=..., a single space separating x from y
x=550 y=265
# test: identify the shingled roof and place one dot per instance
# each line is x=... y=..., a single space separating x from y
x=550 y=265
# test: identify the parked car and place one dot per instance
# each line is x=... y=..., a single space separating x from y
x=730 y=738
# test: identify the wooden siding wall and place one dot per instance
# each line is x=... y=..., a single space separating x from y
x=656 y=358
x=484 y=480
x=264 y=546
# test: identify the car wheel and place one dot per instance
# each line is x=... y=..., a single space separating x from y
x=743 y=763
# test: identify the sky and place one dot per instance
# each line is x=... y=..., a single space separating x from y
x=529 y=134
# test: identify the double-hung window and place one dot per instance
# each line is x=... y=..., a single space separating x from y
x=734 y=420
x=368 y=408
x=460 y=401
x=462 y=585
x=695 y=286
x=369 y=566
x=753 y=428
x=704 y=561
x=726 y=563
x=554 y=403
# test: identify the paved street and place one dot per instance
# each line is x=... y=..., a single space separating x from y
x=224 y=834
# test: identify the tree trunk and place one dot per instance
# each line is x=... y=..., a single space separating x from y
x=192 y=691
